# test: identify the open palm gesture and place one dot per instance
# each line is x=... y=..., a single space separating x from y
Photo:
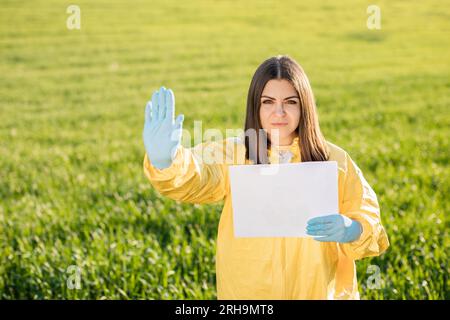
x=162 y=133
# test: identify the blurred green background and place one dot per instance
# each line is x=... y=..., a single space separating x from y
x=72 y=188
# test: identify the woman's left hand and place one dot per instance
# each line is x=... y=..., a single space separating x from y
x=334 y=228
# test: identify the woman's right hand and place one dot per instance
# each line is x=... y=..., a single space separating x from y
x=162 y=134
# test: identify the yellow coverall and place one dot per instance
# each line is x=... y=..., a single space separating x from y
x=275 y=268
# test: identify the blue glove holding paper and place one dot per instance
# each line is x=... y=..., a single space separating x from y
x=334 y=228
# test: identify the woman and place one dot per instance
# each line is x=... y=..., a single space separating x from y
x=281 y=111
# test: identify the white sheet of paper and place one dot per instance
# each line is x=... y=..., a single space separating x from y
x=277 y=200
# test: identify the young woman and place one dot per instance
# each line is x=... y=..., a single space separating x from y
x=281 y=111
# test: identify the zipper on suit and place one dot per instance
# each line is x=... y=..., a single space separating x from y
x=283 y=269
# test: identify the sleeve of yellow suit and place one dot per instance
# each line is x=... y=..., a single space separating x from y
x=190 y=178
x=361 y=204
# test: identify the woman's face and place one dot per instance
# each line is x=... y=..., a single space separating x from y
x=280 y=109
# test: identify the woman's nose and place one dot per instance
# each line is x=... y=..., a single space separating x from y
x=279 y=110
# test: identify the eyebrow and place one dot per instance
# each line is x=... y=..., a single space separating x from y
x=284 y=98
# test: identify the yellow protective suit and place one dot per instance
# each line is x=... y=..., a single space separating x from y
x=275 y=268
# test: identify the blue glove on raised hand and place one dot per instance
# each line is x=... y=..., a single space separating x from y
x=162 y=134
x=335 y=228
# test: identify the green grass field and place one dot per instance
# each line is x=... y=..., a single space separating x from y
x=72 y=188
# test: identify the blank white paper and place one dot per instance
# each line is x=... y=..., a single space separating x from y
x=277 y=200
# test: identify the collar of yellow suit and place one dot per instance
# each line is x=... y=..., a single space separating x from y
x=274 y=151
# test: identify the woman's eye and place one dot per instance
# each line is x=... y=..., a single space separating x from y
x=292 y=102
x=267 y=101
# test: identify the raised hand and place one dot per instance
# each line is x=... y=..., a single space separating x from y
x=334 y=228
x=162 y=134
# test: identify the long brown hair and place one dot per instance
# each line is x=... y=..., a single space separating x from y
x=312 y=144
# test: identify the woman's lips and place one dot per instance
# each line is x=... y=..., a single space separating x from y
x=279 y=124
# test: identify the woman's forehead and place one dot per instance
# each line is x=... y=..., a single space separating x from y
x=279 y=89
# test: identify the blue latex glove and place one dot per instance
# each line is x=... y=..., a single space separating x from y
x=334 y=228
x=162 y=134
